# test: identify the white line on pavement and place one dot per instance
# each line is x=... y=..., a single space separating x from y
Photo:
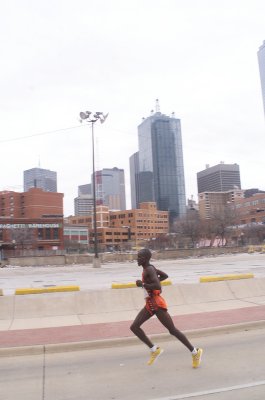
x=212 y=391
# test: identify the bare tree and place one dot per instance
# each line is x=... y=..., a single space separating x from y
x=189 y=227
x=221 y=222
x=254 y=233
x=22 y=237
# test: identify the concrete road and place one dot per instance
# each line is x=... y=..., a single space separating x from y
x=87 y=277
x=232 y=368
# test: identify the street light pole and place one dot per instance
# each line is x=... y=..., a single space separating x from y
x=94 y=201
x=91 y=118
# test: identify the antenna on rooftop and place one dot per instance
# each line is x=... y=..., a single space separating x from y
x=157 y=106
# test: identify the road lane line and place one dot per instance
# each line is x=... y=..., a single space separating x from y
x=212 y=391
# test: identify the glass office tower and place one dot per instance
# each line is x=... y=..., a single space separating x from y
x=110 y=188
x=134 y=177
x=261 y=59
x=40 y=178
x=161 y=169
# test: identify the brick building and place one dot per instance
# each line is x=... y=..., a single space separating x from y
x=215 y=203
x=31 y=220
x=251 y=209
x=116 y=228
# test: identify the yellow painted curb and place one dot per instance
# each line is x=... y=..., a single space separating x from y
x=50 y=289
x=225 y=277
x=133 y=285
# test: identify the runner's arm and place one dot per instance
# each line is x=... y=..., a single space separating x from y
x=161 y=275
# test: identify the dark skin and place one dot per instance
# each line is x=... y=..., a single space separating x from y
x=152 y=278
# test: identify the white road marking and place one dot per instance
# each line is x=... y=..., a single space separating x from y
x=208 y=392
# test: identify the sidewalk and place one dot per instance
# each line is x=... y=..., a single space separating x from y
x=94 y=335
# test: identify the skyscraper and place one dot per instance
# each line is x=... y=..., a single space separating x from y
x=161 y=169
x=40 y=178
x=110 y=188
x=85 y=189
x=83 y=204
x=261 y=60
x=134 y=178
x=219 y=178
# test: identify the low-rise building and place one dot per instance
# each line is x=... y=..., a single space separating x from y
x=31 y=233
x=31 y=220
x=117 y=228
x=251 y=209
x=76 y=238
x=212 y=204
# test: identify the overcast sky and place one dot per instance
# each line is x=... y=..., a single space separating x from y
x=198 y=57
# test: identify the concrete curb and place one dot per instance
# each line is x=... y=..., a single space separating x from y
x=119 y=342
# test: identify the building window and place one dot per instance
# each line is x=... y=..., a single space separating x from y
x=55 y=233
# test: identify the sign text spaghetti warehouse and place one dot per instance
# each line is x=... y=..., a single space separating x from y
x=23 y=226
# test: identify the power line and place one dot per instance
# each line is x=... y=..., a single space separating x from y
x=53 y=131
x=40 y=134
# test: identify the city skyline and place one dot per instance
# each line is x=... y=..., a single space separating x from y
x=198 y=58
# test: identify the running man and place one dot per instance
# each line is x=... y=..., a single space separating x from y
x=156 y=305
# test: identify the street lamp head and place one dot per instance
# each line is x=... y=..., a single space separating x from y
x=103 y=117
x=83 y=115
x=90 y=117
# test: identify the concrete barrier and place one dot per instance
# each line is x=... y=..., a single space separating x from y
x=226 y=277
x=249 y=289
x=69 y=259
x=123 y=304
x=6 y=307
x=36 y=261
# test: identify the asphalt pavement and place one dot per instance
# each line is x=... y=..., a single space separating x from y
x=232 y=368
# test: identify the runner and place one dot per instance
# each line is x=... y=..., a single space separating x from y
x=156 y=305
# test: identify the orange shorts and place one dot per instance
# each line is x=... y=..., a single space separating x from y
x=154 y=302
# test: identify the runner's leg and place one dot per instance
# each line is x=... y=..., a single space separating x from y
x=143 y=316
x=167 y=321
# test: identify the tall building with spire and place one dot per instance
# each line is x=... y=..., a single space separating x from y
x=40 y=178
x=261 y=60
x=161 y=171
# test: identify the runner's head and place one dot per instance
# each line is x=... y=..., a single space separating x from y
x=143 y=256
